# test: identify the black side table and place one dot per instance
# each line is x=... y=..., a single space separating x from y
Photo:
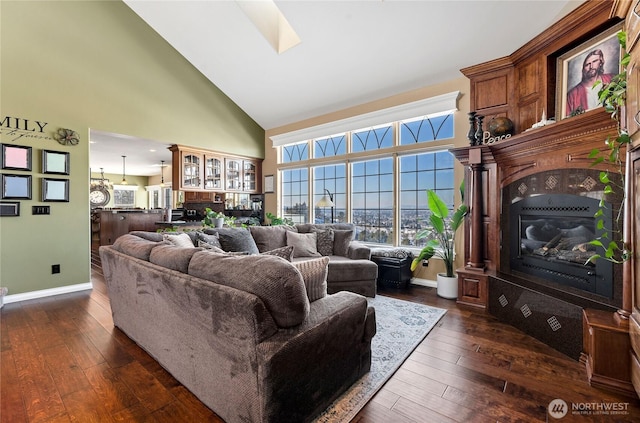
x=394 y=267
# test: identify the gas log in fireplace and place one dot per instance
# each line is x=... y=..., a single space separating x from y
x=549 y=236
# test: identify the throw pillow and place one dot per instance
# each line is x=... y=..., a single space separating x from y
x=325 y=242
x=211 y=239
x=341 y=241
x=179 y=240
x=314 y=274
x=269 y=238
x=209 y=247
x=304 y=245
x=284 y=252
x=235 y=239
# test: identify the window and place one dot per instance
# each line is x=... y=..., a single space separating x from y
x=376 y=177
x=295 y=195
x=372 y=196
x=330 y=180
x=418 y=173
x=330 y=146
x=372 y=139
x=295 y=152
x=425 y=129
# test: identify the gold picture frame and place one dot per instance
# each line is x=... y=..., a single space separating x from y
x=571 y=91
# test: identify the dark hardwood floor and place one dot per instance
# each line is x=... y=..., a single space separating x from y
x=63 y=361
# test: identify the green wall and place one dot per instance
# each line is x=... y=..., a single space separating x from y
x=93 y=65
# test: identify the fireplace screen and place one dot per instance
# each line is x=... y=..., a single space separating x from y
x=549 y=238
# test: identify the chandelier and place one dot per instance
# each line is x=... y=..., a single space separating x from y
x=102 y=182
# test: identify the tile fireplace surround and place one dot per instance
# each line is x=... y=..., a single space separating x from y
x=553 y=161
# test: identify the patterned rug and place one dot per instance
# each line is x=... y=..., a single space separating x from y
x=402 y=325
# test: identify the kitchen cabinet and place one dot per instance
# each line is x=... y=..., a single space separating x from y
x=241 y=175
x=213 y=172
x=203 y=170
x=198 y=197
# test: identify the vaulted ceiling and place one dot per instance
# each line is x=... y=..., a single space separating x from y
x=351 y=52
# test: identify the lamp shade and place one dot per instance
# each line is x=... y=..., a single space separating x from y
x=325 y=201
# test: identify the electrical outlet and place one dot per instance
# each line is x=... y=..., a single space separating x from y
x=55 y=268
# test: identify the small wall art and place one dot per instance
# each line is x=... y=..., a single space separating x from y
x=16 y=157
x=55 y=162
x=9 y=208
x=16 y=187
x=55 y=189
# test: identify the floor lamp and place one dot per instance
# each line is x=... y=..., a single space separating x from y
x=326 y=201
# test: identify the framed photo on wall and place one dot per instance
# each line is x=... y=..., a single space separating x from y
x=55 y=189
x=268 y=184
x=55 y=162
x=9 y=208
x=16 y=157
x=597 y=59
x=16 y=187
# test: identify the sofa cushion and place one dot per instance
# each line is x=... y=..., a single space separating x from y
x=283 y=252
x=310 y=227
x=150 y=236
x=209 y=247
x=314 y=274
x=343 y=269
x=179 y=240
x=277 y=283
x=135 y=246
x=325 y=241
x=235 y=239
x=172 y=257
x=341 y=240
x=211 y=239
x=304 y=245
x=269 y=238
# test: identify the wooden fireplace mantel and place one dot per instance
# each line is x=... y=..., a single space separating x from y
x=566 y=144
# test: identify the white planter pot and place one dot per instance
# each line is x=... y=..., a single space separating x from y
x=447 y=286
x=219 y=221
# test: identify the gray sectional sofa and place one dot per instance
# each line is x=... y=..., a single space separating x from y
x=350 y=267
x=243 y=333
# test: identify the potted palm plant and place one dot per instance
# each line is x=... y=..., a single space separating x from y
x=442 y=233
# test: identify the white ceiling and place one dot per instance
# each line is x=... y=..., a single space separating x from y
x=351 y=52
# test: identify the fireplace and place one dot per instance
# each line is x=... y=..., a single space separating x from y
x=549 y=237
x=548 y=219
x=533 y=199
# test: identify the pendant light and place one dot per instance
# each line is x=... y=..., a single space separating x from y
x=162 y=173
x=124 y=180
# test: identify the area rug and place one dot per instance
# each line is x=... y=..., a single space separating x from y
x=401 y=325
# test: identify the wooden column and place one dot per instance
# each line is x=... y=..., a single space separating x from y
x=475 y=246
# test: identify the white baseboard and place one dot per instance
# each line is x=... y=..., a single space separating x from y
x=47 y=292
x=424 y=282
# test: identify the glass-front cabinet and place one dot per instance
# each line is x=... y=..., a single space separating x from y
x=241 y=175
x=191 y=170
x=249 y=175
x=234 y=175
x=213 y=173
x=202 y=170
